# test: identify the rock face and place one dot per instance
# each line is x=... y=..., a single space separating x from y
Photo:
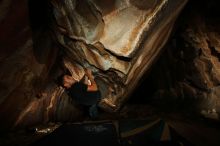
x=188 y=71
x=27 y=55
x=118 y=39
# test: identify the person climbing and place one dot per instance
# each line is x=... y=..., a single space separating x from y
x=84 y=92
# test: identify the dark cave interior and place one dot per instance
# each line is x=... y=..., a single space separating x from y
x=176 y=102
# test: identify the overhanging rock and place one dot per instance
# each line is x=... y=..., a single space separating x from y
x=118 y=39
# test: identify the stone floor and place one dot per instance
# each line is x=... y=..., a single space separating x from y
x=128 y=127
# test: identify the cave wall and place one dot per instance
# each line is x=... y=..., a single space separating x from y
x=187 y=74
x=118 y=40
x=28 y=94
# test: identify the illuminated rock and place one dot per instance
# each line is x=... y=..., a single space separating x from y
x=120 y=37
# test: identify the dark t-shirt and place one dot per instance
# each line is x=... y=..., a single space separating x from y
x=80 y=94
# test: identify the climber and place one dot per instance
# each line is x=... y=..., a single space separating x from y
x=85 y=91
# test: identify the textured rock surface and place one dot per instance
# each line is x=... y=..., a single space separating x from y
x=28 y=93
x=118 y=39
x=188 y=72
x=118 y=24
x=26 y=60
